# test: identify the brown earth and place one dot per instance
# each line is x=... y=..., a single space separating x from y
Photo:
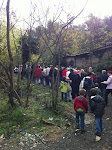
x=57 y=140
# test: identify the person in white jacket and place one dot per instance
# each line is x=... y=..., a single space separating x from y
x=109 y=86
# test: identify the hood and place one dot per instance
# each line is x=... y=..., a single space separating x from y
x=80 y=97
x=98 y=98
x=62 y=82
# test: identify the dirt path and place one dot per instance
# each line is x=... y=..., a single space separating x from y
x=86 y=141
x=77 y=141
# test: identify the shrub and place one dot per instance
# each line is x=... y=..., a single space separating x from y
x=107 y=65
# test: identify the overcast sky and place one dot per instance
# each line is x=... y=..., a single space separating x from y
x=99 y=8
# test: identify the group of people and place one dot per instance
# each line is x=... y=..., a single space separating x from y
x=71 y=80
x=85 y=88
x=79 y=85
x=97 y=100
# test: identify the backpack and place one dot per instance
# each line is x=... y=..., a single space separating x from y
x=87 y=83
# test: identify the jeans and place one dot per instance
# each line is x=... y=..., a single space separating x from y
x=103 y=91
x=87 y=92
x=106 y=95
x=70 y=95
x=37 y=80
x=75 y=92
x=65 y=96
x=99 y=125
x=82 y=117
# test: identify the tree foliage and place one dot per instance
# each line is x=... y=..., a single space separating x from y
x=93 y=33
x=30 y=45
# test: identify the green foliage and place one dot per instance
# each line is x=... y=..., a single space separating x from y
x=29 y=46
x=107 y=65
x=12 y=120
x=93 y=33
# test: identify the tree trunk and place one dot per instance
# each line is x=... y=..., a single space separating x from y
x=11 y=67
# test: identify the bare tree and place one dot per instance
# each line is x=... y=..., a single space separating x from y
x=10 y=73
x=54 y=41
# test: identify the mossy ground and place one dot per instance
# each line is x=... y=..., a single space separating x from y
x=39 y=118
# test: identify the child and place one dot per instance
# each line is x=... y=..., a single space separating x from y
x=81 y=107
x=98 y=89
x=70 y=89
x=64 y=88
x=97 y=105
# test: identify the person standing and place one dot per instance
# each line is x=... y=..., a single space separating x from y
x=47 y=75
x=75 y=82
x=109 y=86
x=102 y=86
x=88 y=83
x=60 y=72
x=64 y=88
x=64 y=72
x=97 y=105
x=37 y=75
x=81 y=107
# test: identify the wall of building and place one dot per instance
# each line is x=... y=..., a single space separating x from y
x=90 y=59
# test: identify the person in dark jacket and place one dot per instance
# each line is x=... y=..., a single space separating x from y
x=102 y=86
x=97 y=105
x=88 y=83
x=75 y=82
x=98 y=89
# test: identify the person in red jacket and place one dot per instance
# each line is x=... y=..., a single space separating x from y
x=38 y=74
x=81 y=107
x=64 y=72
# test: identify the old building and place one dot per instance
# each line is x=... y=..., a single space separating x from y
x=87 y=59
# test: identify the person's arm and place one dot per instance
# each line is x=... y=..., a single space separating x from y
x=86 y=105
x=92 y=104
x=82 y=83
x=60 y=85
x=93 y=85
x=108 y=80
x=75 y=102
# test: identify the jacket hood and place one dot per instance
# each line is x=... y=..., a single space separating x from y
x=97 y=99
x=80 y=97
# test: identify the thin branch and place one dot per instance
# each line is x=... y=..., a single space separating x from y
x=15 y=93
x=74 y=17
x=5 y=70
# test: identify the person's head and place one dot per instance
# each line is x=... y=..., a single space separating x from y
x=71 y=69
x=75 y=71
x=67 y=78
x=68 y=69
x=109 y=73
x=38 y=66
x=82 y=92
x=64 y=79
x=90 y=74
x=64 y=68
x=96 y=85
x=90 y=69
x=93 y=92
x=103 y=71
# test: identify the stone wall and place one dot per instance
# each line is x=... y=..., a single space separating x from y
x=90 y=59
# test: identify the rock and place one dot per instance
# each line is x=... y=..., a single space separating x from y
x=21 y=143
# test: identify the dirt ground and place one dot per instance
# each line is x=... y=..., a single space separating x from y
x=77 y=141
